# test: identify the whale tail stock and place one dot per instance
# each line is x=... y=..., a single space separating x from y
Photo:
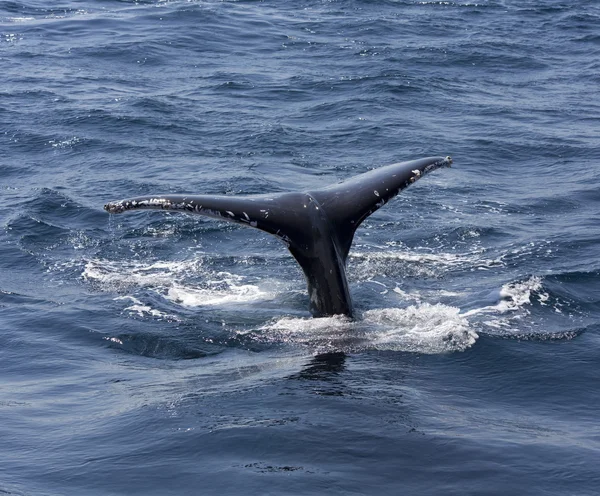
x=317 y=226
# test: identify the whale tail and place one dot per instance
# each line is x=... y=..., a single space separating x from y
x=317 y=226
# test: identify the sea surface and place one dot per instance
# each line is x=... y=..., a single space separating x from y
x=159 y=353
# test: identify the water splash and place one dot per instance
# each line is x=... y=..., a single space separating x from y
x=513 y=296
x=423 y=328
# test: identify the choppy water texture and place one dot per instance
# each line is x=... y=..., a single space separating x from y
x=155 y=353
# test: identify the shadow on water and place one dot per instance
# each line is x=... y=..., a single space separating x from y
x=324 y=368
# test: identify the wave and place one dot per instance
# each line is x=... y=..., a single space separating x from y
x=514 y=295
x=409 y=263
x=423 y=327
x=422 y=321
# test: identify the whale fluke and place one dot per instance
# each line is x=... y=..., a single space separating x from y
x=317 y=226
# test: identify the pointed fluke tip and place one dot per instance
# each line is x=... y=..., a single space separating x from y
x=114 y=207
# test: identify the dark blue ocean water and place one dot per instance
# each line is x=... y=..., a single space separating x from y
x=161 y=353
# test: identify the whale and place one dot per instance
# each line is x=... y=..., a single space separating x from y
x=317 y=226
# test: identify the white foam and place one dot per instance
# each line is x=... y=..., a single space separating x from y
x=173 y=280
x=444 y=259
x=66 y=143
x=422 y=328
x=412 y=263
x=21 y=19
x=419 y=296
x=199 y=297
x=514 y=296
x=121 y=275
x=143 y=310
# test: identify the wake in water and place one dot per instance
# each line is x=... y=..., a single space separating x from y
x=186 y=283
x=419 y=323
